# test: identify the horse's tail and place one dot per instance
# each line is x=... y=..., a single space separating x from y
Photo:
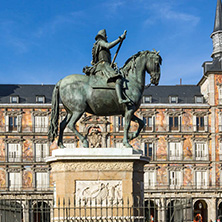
x=53 y=128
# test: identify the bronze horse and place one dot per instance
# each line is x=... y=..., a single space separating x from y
x=81 y=93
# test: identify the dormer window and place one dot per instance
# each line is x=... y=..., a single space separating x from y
x=40 y=99
x=198 y=99
x=14 y=99
x=147 y=99
x=173 y=99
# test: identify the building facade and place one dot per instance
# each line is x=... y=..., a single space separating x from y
x=182 y=136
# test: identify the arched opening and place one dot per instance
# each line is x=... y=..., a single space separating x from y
x=174 y=211
x=200 y=211
x=219 y=212
x=151 y=212
x=41 y=212
x=11 y=211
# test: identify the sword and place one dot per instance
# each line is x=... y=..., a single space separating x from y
x=117 y=51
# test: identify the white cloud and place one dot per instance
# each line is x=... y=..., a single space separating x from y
x=167 y=12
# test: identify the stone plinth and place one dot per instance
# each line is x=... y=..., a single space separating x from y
x=94 y=174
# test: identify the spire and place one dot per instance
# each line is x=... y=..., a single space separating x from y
x=218 y=17
x=217 y=33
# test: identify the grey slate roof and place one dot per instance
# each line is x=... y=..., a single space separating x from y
x=26 y=93
x=218 y=17
x=161 y=94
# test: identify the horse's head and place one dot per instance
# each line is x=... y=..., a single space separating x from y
x=153 y=67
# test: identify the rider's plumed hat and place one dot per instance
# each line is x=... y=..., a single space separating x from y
x=101 y=33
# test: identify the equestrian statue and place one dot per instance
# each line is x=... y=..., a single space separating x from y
x=105 y=90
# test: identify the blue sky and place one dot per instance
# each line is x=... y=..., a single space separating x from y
x=44 y=41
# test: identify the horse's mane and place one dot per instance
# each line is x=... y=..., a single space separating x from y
x=130 y=63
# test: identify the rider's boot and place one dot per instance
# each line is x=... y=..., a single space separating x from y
x=118 y=87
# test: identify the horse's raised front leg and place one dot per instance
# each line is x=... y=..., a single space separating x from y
x=63 y=125
x=141 y=123
x=128 y=117
x=72 y=125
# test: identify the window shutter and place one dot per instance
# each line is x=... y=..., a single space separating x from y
x=194 y=123
x=19 y=118
x=168 y=123
x=146 y=178
x=38 y=148
x=153 y=123
x=206 y=123
x=45 y=150
x=7 y=123
x=219 y=120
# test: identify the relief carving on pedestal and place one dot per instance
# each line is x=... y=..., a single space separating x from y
x=92 y=166
x=104 y=193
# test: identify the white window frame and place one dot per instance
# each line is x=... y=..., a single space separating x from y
x=151 y=123
x=41 y=124
x=171 y=99
x=201 y=151
x=69 y=145
x=41 y=151
x=19 y=123
x=149 y=179
x=175 y=179
x=220 y=95
x=14 y=152
x=40 y=97
x=147 y=99
x=14 y=99
x=175 y=151
x=42 y=180
x=15 y=180
x=201 y=179
x=198 y=99
x=205 y=128
x=118 y=126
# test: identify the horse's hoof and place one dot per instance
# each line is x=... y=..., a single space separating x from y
x=61 y=146
x=85 y=144
x=127 y=145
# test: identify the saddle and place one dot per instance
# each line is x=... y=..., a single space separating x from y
x=99 y=77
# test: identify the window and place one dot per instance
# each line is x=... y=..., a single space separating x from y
x=201 y=151
x=40 y=99
x=14 y=99
x=200 y=123
x=41 y=151
x=148 y=122
x=201 y=179
x=41 y=123
x=15 y=181
x=14 y=152
x=149 y=179
x=42 y=180
x=173 y=99
x=220 y=95
x=148 y=150
x=175 y=151
x=121 y=123
x=70 y=145
x=175 y=179
x=173 y=122
x=13 y=123
x=147 y=99
x=118 y=144
x=198 y=99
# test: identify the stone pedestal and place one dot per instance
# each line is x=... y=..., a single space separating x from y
x=103 y=176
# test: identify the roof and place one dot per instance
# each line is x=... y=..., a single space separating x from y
x=218 y=17
x=26 y=93
x=161 y=94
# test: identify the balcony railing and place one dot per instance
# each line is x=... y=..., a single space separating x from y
x=22 y=187
x=155 y=128
x=199 y=186
x=20 y=158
